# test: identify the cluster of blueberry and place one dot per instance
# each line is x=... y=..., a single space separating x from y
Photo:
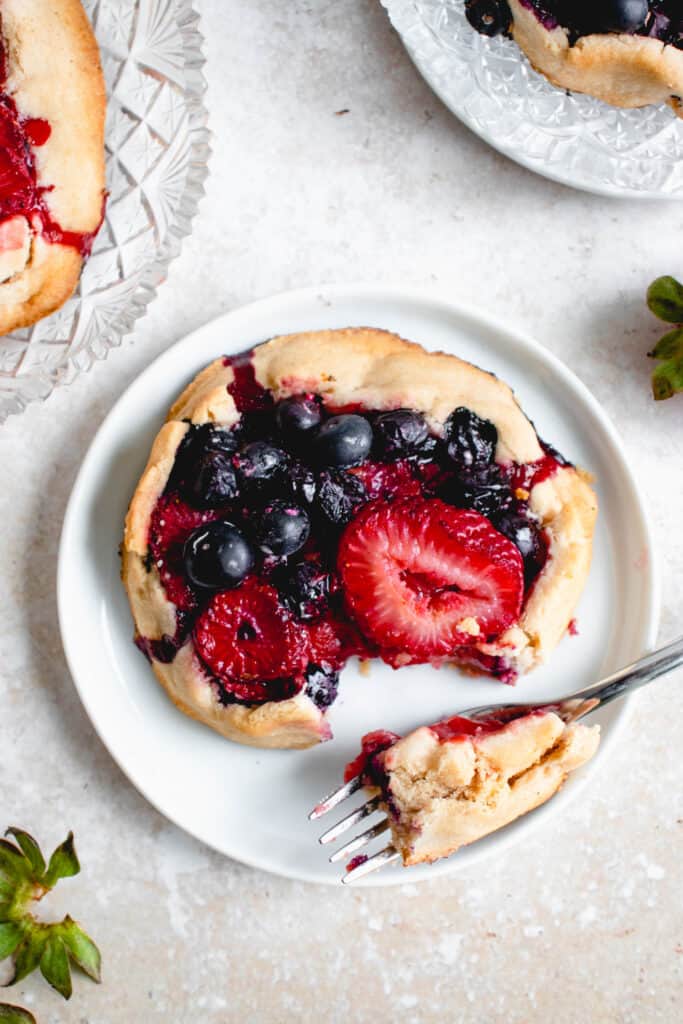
x=661 y=19
x=299 y=477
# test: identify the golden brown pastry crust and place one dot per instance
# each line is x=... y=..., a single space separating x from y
x=381 y=371
x=445 y=795
x=54 y=74
x=623 y=70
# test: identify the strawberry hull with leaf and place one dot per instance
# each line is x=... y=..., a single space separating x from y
x=24 y=878
x=665 y=299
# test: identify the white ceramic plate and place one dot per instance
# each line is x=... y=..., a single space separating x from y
x=577 y=140
x=253 y=804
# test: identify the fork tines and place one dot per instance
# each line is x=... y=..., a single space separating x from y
x=364 y=865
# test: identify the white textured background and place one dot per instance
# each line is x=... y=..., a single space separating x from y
x=584 y=922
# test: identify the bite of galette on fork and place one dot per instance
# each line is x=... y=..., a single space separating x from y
x=446 y=785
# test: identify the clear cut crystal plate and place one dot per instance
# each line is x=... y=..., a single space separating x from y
x=157 y=153
x=574 y=139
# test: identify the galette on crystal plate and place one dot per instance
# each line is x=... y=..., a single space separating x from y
x=52 y=189
x=345 y=492
x=628 y=53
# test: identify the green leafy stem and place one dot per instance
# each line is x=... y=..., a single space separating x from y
x=665 y=299
x=25 y=877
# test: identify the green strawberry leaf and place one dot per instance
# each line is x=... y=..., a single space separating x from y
x=665 y=299
x=667 y=379
x=54 y=966
x=28 y=953
x=15 y=1015
x=82 y=949
x=11 y=935
x=29 y=847
x=670 y=346
x=13 y=864
x=63 y=863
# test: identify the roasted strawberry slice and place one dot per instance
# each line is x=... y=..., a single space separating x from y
x=247 y=639
x=422 y=578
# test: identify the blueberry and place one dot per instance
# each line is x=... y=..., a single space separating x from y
x=322 y=684
x=217 y=556
x=212 y=481
x=484 y=490
x=260 y=463
x=199 y=441
x=471 y=440
x=339 y=495
x=400 y=432
x=297 y=415
x=301 y=483
x=343 y=441
x=524 y=535
x=304 y=589
x=490 y=17
x=281 y=529
x=611 y=15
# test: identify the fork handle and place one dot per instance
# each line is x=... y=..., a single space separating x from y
x=638 y=674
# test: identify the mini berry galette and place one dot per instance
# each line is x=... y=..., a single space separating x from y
x=446 y=785
x=626 y=52
x=340 y=493
x=52 y=109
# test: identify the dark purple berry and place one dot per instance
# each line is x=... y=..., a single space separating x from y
x=490 y=17
x=610 y=15
x=340 y=495
x=212 y=482
x=217 y=556
x=281 y=529
x=471 y=440
x=400 y=432
x=525 y=536
x=301 y=483
x=304 y=589
x=484 y=490
x=297 y=415
x=322 y=684
x=343 y=441
x=260 y=463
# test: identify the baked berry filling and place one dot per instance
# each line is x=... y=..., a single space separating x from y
x=659 y=19
x=305 y=534
x=23 y=210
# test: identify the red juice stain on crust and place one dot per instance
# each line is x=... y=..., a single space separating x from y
x=373 y=743
x=525 y=477
x=573 y=628
x=456 y=728
x=247 y=394
x=20 y=193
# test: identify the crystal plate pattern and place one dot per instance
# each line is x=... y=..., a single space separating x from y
x=157 y=153
x=577 y=140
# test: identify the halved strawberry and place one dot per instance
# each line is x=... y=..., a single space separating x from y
x=422 y=578
x=247 y=639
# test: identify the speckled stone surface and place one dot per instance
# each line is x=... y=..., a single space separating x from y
x=584 y=922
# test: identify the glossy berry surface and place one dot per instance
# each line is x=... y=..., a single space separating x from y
x=339 y=496
x=419 y=576
x=485 y=490
x=400 y=432
x=281 y=529
x=490 y=17
x=213 y=481
x=260 y=463
x=305 y=589
x=297 y=415
x=217 y=556
x=343 y=441
x=526 y=538
x=471 y=440
x=610 y=15
x=322 y=685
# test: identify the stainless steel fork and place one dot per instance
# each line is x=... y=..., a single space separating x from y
x=570 y=709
